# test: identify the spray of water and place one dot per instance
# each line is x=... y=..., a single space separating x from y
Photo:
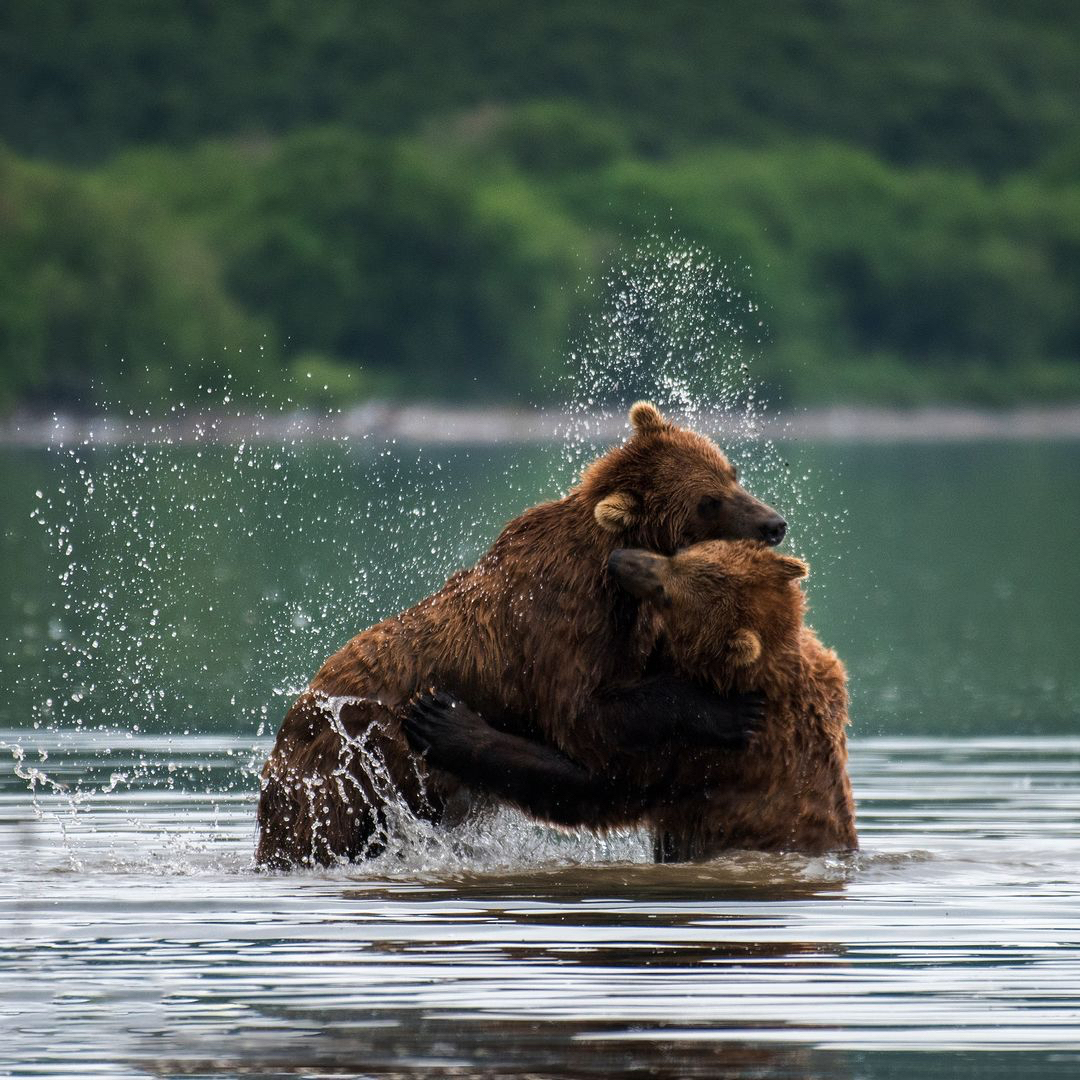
x=679 y=328
x=202 y=578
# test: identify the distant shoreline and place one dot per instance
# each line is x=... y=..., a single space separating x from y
x=444 y=425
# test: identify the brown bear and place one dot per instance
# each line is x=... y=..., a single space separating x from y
x=733 y=618
x=733 y=615
x=536 y=635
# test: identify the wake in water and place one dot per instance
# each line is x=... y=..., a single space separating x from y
x=200 y=584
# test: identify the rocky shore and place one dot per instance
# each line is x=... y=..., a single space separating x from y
x=438 y=424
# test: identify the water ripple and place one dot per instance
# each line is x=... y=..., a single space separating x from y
x=138 y=940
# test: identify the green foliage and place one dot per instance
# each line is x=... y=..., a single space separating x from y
x=103 y=297
x=406 y=199
x=370 y=249
x=553 y=137
x=321 y=382
x=937 y=268
x=377 y=251
x=971 y=83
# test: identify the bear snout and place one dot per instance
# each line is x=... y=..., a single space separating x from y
x=773 y=530
x=739 y=516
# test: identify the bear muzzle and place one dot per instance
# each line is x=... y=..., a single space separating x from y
x=739 y=516
x=773 y=530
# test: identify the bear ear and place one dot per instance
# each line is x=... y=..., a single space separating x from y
x=618 y=512
x=745 y=647
x=791 y=569
x=645 y=416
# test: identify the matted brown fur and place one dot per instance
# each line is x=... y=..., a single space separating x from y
x=532 y=631
x=733 y=614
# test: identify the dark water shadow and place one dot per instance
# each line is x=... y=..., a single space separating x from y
x=411 y=1047
x=745 y=876
x=526 y=1052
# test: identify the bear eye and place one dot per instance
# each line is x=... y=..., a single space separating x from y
x=710 y=503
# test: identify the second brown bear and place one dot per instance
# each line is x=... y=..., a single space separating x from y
x=732 y=614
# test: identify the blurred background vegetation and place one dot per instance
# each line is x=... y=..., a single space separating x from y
x=409 y=199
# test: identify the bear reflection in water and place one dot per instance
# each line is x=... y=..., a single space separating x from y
x=541 y=641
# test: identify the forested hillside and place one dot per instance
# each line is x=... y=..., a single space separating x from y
x=409 y=199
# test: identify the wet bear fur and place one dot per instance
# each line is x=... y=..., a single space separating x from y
x=531 y=636
x=729 y=616
x=733 y=617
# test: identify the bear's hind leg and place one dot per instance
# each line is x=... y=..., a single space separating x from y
x=318 y=805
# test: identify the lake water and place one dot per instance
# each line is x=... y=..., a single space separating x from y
x=161 y=603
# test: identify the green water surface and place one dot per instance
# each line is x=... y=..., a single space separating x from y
x=194 y=588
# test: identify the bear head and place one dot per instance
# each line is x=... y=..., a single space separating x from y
x=731 y=610
x=667 y=487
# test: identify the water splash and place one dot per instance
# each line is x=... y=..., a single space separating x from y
x=672 y=327
x=680 y=328
x=197 y=583
x=333 y=534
